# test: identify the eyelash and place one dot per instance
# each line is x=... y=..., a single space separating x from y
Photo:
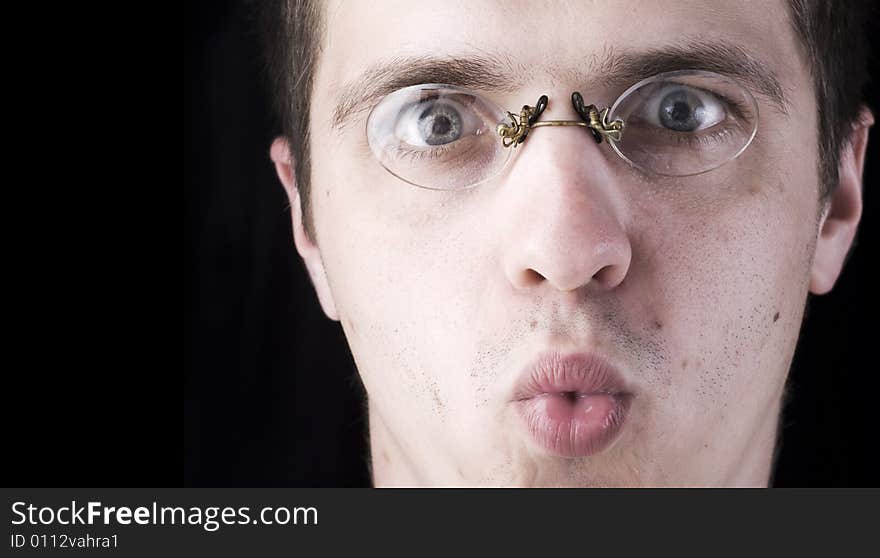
x=697 y=139
x=433 y=153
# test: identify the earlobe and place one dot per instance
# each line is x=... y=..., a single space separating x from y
x=838 y=226
x=305 y=246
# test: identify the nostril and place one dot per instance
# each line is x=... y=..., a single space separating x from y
x=532 y=276
x=604 y=275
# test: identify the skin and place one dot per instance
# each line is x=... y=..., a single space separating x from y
x=694 y=288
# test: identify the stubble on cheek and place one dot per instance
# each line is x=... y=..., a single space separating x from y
x=399 y=311
x=740 y=292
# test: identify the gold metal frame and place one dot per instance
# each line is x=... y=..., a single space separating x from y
x=517 y=130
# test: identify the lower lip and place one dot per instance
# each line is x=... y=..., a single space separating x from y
x=579 y=425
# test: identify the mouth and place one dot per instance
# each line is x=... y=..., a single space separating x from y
x=573 y=405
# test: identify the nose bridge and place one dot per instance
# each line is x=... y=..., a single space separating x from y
x=547 y=113
x=565 y=214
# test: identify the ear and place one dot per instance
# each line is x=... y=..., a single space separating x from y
x=307 y=247
x=843 y=210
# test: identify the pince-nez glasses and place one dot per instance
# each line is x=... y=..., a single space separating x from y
x=680 y=123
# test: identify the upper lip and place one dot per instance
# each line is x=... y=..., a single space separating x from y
x=574 y=373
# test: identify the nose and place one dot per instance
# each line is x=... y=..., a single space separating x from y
x=563 y=215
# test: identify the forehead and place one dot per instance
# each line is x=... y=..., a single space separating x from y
x=546 y=38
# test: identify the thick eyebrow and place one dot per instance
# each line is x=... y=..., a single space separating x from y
x=611 y=68
x=720 y=57
x=478 y=72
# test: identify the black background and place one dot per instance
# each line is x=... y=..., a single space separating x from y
x=271 y=392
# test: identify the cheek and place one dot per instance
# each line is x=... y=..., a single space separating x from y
x=401 y=268
x=726 y=278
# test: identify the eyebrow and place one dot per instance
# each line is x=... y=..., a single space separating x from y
x=610 y=68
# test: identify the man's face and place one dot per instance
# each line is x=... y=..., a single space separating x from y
x=693 y=288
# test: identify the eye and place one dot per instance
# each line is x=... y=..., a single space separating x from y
x=437 y=136
x=685 y=122
x=681 y=108
x=430 y=123
x=435 y=121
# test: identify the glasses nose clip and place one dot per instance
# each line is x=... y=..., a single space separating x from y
x=516 y=131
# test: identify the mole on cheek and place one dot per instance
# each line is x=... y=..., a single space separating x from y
x=776 y=316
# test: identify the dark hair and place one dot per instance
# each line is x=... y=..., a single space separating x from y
x=290 y=32
x=832 y=35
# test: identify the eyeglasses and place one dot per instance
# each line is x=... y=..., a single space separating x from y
x=681 y=123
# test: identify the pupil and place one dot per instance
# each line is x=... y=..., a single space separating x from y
x=439 y=124
x=681 y=112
